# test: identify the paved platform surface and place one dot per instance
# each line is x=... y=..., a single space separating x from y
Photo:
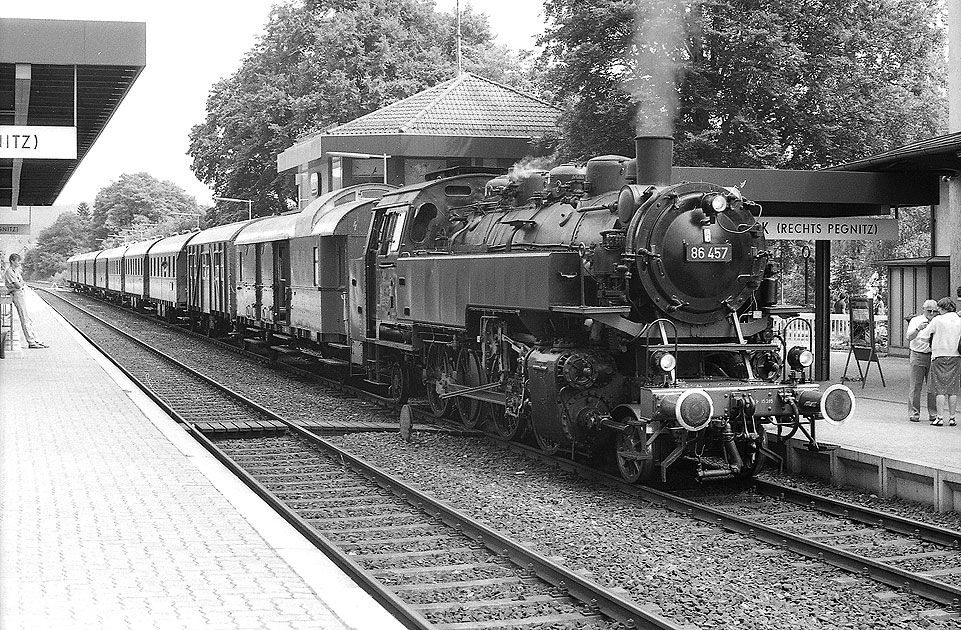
x=880 y=424
x=111 y=516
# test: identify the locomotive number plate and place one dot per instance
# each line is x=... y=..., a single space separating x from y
x=709 y=253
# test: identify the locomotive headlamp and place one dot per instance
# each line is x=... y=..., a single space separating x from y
x=766 y=364
x=692 y=409
x=835 y=404
x=800 y=357
x=663 y=362
x=713 y=204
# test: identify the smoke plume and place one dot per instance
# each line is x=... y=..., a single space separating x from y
x=659 y=42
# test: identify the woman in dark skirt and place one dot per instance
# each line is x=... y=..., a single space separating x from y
x=944 y=333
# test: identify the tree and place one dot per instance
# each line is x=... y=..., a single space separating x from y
x=137 y=197
x=756 y=84
x=319 y=64
x=83 y=212
x=54 y=245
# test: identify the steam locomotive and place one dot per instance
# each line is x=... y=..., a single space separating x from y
x=600 y=309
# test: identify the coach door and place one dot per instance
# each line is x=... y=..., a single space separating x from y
x=259 y=281
x=281 y=281
x=193 y=280
x=218 y=286
x=205 y=292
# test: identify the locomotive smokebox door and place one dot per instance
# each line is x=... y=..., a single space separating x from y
x=698 y=255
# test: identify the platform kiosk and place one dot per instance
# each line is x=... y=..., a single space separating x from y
x=863 y=342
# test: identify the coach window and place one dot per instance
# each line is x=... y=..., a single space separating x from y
x=316 y=266
x=240 y=265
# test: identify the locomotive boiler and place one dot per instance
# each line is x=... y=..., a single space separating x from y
x=602 y=308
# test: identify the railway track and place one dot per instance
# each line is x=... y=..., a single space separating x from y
x=232 y=365
x=454 y=572
x=905 y=554
x=430 y=565
x=902 y=553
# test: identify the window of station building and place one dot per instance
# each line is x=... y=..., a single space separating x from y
x=366 y=170
x=316 y=266
x=336 y=173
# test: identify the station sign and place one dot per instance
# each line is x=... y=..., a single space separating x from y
x=829 y=229
x=37 y=142
x=15 y=222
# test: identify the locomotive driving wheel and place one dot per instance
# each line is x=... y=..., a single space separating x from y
x=398 y=383
x=469 y=374
x=440 y=372
x=507 y=426
x=546 y=444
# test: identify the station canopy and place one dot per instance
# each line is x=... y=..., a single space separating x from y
x=61 y=73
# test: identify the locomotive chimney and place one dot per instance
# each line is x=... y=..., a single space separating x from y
x=655 y=154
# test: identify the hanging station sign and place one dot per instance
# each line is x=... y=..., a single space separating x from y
x=35 y=142
x=829 y=229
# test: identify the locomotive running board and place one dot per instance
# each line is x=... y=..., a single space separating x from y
x=612 y=316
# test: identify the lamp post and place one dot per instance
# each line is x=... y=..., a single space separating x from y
x=361 y=156
x=250 y=204
x=189 y=214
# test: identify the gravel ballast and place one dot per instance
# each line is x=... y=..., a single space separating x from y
x=695 y=573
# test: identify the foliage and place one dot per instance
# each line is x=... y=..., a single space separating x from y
x=136 y=207
x=54 y=245
x=759 y=84
x=83 y=212
x=777 y=83
x=318 y=64
x=138 y=199
x=852 y=262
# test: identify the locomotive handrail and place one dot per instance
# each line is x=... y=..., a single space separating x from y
x=664 y=341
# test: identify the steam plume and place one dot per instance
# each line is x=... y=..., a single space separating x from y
x=658 y=46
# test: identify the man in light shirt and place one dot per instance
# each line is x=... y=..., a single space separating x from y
x=920 y=364
x=944 y=333
x=13 y=279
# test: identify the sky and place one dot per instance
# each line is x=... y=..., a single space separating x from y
x=190 y=46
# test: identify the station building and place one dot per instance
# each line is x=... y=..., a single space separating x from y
x=465 y=121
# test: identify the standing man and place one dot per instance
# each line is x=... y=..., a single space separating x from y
x=13 y=278
x=920 y=363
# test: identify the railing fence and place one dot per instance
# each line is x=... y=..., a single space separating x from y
x=798 y=334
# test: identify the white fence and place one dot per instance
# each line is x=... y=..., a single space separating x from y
x=798 y=333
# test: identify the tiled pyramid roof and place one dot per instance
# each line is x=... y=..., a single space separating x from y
x=467 y=105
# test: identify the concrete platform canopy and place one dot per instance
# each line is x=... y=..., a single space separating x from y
x=59 y=74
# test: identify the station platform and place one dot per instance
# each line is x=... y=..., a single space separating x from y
x=111 y=516
x=880 y=424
